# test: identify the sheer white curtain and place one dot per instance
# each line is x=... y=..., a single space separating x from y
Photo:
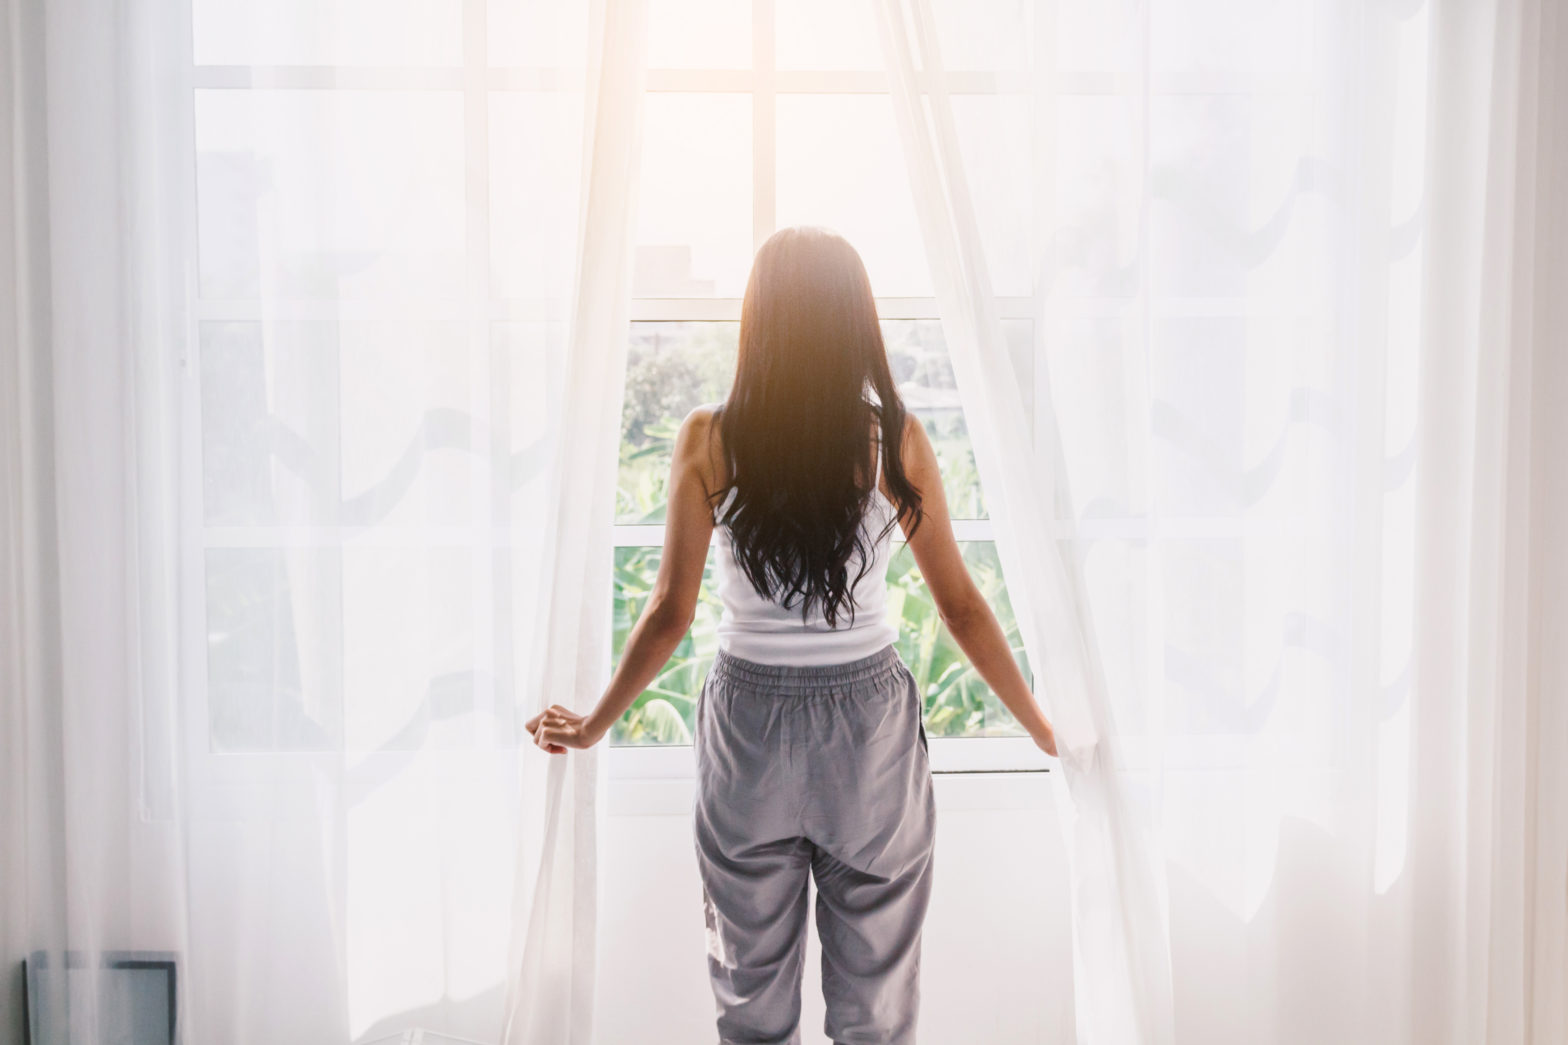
x=1121 y=958
x=553 y=973
x=312 y=352
x=1282 y=542
x=312 y=342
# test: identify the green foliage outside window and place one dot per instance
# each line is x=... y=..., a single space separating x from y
x=673 y=367
x=957 y=700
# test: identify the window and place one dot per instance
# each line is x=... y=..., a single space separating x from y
x=360 y=403
x=801 y=130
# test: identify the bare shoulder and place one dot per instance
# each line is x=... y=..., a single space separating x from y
x=915 y=450
x=697 y=445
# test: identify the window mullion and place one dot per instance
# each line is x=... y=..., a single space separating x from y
x=764 y=118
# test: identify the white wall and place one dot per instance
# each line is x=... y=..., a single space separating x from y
x=997 y=956
x=996 y=960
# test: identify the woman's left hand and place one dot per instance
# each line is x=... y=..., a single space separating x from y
x=557 y=728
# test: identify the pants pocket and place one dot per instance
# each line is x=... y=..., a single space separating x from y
x=916 y=701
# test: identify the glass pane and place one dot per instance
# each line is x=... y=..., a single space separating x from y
x=826 y=34
x=699 y=34
x=1104 y=430
x=1099 y=35
x=957 y=700
x=993 y=140
x=330 y=194
x=1236 y=215
x=983 y=34
x=535 y=163
x=269 y=425
x=1099 y=197
x=537 y=34
x=408 y=647
x=527 y=366
x=1116 y=573
x=917 y=355
x=274 y=649
x=1270 y=36
x=694 y=207
x=665 y=712
x=1254 y=436
x=974 y=35
x=414 y=417
x=354 y=423
x=841 y=165
x=670 y=369
x=328 y=32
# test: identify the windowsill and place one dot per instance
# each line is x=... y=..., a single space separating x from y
x=969 y=773
x=983 y=792
x=965 y=755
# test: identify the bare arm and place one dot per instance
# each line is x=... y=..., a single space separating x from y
x=963 y=608
x=671 y=606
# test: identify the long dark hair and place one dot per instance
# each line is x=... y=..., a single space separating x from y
x=796 y=426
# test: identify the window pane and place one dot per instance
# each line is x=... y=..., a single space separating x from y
x=269 y=425
x=1099 y=197
x=983 y=34
x=1237 y=215
x=328 y=32
x=917 y=355
x=1103 y=428
x=694 y=198
x=408 y=647
x=957 y=700
x=665 y=712
x=699 y=34
x=673 y=367
x=274 y=649
x=670 y=369
x=535 y=166
x=974 y=35
x=826 y=34
x=537 y=34
x=1227 y=35
x=841 y=165
x=412 y=425
x=330 y=194
x=994 y=142
x=1102 y=35
x=353 y=423
x=312 y=648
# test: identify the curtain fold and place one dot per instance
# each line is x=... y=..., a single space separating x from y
x=1492 y=825
x=92 y=336
x=551 y=981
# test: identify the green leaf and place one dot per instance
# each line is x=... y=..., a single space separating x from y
x=663 y=724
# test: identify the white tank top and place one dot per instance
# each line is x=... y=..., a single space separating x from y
x=758 y=629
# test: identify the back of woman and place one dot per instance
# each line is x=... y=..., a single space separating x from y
x=811 y=753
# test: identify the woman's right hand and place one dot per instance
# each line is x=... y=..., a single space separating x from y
x=1046 y=740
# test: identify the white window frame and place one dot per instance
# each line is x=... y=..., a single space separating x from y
x=764 y=82
x=477 y=80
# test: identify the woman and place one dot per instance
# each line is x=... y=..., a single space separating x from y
x=811 y=753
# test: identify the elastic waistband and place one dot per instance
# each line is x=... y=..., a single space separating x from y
x=804 y=677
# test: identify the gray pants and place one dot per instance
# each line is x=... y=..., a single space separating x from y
x=819 y=771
